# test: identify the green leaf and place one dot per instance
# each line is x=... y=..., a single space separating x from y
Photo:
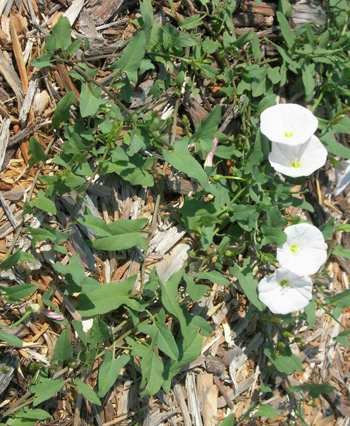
x=197 y=214
x=190 y=347
x=266 y=411
x=284 y=363
x=327 y=229
x=229 y=420
x=43 y=61
x=121 y=242
x=248 y=283
x=258 y=87
x=343 y=338
x=151 y=367
x=313 y=389
x=308 y=77
x=310 y=311
x=76 y=277
x=275 y=218
x=334 y=147
x=210 y=46
x=36 y=151
x=63 y=349
x=273 y=236
x=132 y=56
x=10 y=339
x=161 y=336
x=341 y=300
x=169 y=297
x=134 y=170
x=109 y=371
x=207 y=70
x=256 y=46
x=342 y=226
x=191 y=22
x=36 y=414
x=16 y=258
x=341 y=126
x=89 y=101
x=274 y=75
x=18 y=292
x=340 y=251
x=152 y=373
x=45 y=390
x=183 y=161
x=201 y=325
x=20 y=421
x=285 y=7
x=47 y=234
x=61 y=32
x=44 y=203
x=62 y=110
x=87 y=391
x=215 y=277
x=206 y=130
x=118 y=235
x=78 y=328
x=286 y=31
x=196 y=291
x=73 y=47
x=147 y=17
x=99 y=332
x=108 y=298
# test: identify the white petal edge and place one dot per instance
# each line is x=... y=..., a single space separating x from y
x=285 y=300
x=276 y=120
x=343 y=177
x=310 y=253
x=310 y=156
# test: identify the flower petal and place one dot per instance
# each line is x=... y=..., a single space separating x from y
x=289 y=124
x=299 y=160
x=285 y=298
x=305 y=250
x=343 y=177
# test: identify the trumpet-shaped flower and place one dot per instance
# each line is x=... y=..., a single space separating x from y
x=304 y=251
x=285 y=292
x=209 y=160
x=299 y=160
x=289 y=124
x=342 y=171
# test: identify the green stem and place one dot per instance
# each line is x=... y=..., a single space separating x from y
x=26 y=315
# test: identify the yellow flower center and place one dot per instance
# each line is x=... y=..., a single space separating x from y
x=284 y=283
x=294 y=248
x=288 y=134
x=296 y=164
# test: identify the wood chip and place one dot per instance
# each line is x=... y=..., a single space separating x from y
x=4 y=137
x=208 y=396
x=178 y=392
x=192 y=398
x=73 y=11
x=17 y=50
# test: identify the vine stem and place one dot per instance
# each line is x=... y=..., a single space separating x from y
x=156 y=208
x=30 y=194
x=91 y=80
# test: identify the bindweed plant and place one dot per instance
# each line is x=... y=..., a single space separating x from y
x=242 y=160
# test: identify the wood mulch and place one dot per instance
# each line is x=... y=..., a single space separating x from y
x=225 y=378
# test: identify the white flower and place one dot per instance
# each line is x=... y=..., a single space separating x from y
x=285 y=292
x=304 y=251
x=299 y=160
x=342 y=171
x=290 y=124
